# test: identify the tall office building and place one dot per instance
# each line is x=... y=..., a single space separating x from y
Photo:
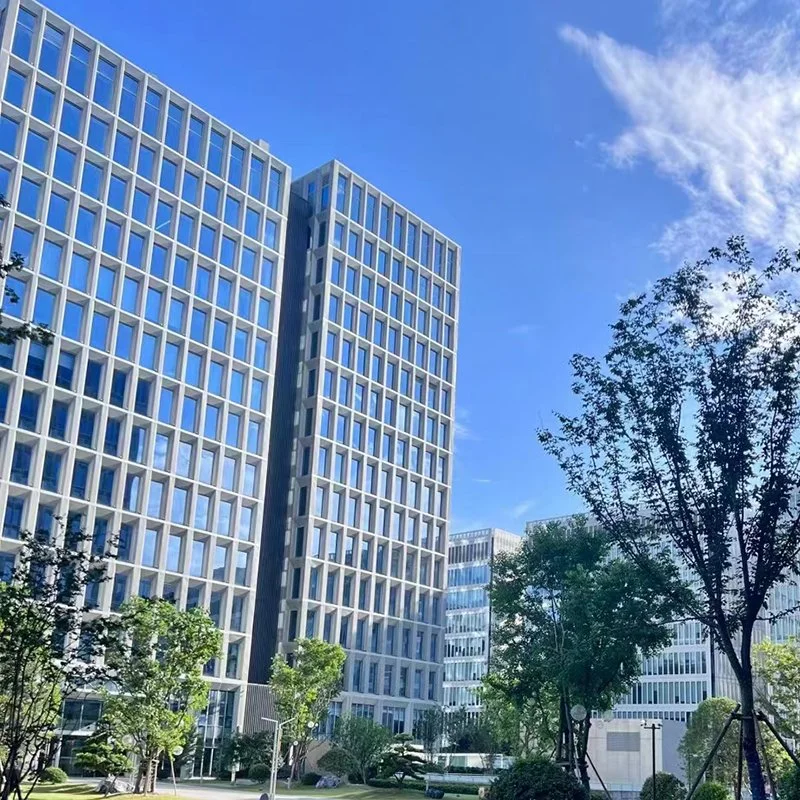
x=360 y=471
x=467 y=644
x=155 y=235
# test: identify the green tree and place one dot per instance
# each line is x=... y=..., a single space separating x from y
x=105 y=755
x=574 y=619
x=701 y=733
x=244 y=750
x=526 y=729
x=48 y=649
x=537 y=779
x=711 y=790
x=304 y=688
x=667 y=787
x=357 y=745
x=778 y=666
x=402 y=760
x=428 y=730
x=686 y=443
x=157 y=657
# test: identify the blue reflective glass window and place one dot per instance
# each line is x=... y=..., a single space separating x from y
x=169 y=175
x=233 y=210
x=72 y=324
x=141 y=205
x=186 y=230
x=106 y=281
x=23 y=34
x=71 y=119
x=44 y=308
x=29 y=195
x=57 y=212
x=274 y=193
x=208 y=240
x=52 y=255
x=15 y=88
x=117 y=193
x=271 y=234
x=216 y=152
x=164 y=217
x=255 y=185
x=92 y=180
x=78 y=70
x=146 y=162
x=36 y=150
x=104 y=81
x=111 y=237
x=86 y=225
x=43 y=103
x=248 y=262
x=50 y=54
x=98 y=135
x=252 y=223
x=152 y=112
x=129 y=98
x=101 y=324
x=211 y=200
x=194 y=147
x=123 y=149
x=136 y=245
x=79 y=272
x=191 y=185
x=174 y=126
x=64 y=168
x=236 y=166
x=158 y=261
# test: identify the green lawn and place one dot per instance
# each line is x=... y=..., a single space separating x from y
x=77 y=791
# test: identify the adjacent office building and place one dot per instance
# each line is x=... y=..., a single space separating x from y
x=157 y=237
x=364 y=418
x=467 y=647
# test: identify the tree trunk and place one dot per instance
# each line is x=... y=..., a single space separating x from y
x=582 y=744
x=749 y=741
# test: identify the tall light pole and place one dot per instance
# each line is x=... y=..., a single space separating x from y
x=276 y=747
x=653 y=726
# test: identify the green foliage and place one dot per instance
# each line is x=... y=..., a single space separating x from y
x=667 y=787
x=711 y=790
x=582 y=632
x=778 y=665
x=259 y=773
x=536 y=780
x=157 y=657
x=310 y=778
x=104 y=755
x=701 y=733
x=304 y=689
x=243 y=750
x=357 y=745
x=53 y=775
x=419 y=786
x=402 y=760
x=789 y=784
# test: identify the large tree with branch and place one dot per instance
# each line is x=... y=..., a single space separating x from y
x=49 y=647
x=686 y=442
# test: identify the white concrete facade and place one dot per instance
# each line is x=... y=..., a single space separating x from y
x=373 y=442
x=155 y=237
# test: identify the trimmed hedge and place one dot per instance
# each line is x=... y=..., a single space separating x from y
x=448 y=788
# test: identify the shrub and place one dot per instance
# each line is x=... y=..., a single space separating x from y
x=53 y=775
x=536 y=780
x=259 y=773
x=789 y=785
x=419 y=786
x=711 y=790
x=668 y=787
x=311 y=778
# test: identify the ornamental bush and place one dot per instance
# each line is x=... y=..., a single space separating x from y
x=668 y=787
x=536 y=780
x=53 y=775
x=711 y=790
x=259 y=773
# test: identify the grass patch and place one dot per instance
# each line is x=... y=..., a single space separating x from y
x=79 y=791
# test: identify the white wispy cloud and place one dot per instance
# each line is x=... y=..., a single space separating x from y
x=522 y=508
x=523 y=329
x=716 y=111
x=461 y=426
x=482 y=480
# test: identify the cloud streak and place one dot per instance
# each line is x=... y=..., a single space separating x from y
x=717 y=115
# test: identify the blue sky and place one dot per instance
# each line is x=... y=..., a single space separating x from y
x=577 y=150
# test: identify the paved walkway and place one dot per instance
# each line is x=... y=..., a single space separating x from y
x=196 y=790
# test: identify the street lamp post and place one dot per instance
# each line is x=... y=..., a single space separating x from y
x=653 y=727
x=276 y=746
